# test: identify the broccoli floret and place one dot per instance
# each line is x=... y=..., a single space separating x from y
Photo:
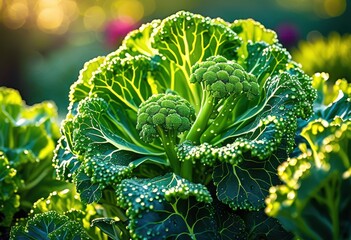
x=165 y=116
x=222 y=81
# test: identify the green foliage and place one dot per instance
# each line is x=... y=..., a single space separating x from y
x=49 y=225
x=9 y=201
x=332 y=99
x=27 y=141
x=67 y=202
x=188 y=114
x=329 y=54
x=314 y=201
x=177 y=204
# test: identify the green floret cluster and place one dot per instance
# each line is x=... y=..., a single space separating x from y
x=224 y=78
x=165 y=116
x=162 y=114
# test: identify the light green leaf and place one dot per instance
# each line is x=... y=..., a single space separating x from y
x=251 y=31
x=184 y=39
x=81 y=88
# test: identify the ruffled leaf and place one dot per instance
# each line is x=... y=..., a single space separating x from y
x=314 y=200
x=49 y=225
x=181 y=206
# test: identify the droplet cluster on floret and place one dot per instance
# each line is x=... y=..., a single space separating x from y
x=208 y=154
x=142 y=194
x=224 y=78
x=106 y=170
x=165 y=111
x=232 y=153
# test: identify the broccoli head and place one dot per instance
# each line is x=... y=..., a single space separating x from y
x=165 y=116
x=222 y=82
x=223 y=78
x=164 y=113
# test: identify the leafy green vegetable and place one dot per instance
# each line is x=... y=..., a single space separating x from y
x=9 y=201
x=68 y=203
x=49 y=225
x=326 y=54
x=189 y=109
x=177 y=204
x=27 y=141
x=332 y=99
x=314 y=201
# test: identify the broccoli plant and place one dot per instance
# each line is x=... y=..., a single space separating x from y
x=27 y=141
x=61 y=215
x=49 y=225
x=313 y=202
x=179 y=132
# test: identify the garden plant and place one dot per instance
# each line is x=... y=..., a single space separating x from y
x=195 y=128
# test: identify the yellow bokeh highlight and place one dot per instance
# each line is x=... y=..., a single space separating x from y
x=50 y=19
x=94 y=18
x=132 y=8
x=70 y=9
x=334 y=8
x=55 y=16
x=322 y=8
x=297 y=5
x=16 y=13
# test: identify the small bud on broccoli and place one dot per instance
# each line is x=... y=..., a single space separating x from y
x=222 y=82
x=224 y=78
x=165 y=116
x=166 y=113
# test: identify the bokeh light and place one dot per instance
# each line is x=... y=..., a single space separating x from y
x=320 y=8
x=94 y=18
x=15 y=14
x=334 y=8
x=58 y=16
x=131 y=8
x=77 y=31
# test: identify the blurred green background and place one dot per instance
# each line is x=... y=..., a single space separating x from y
x=44 y=43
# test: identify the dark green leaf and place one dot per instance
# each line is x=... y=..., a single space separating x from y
x=9 y=199
x=115 y=229
x=89 y=192
x=230 y=226
x=261 y=227
x=246 y=185
x=167 y=207
x=49 y=225
x=66 y=163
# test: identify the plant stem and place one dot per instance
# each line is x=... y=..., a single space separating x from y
x=201 y=120
x=37 y=180
x=169 y=144
x=186 y=170
x=333 y=200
